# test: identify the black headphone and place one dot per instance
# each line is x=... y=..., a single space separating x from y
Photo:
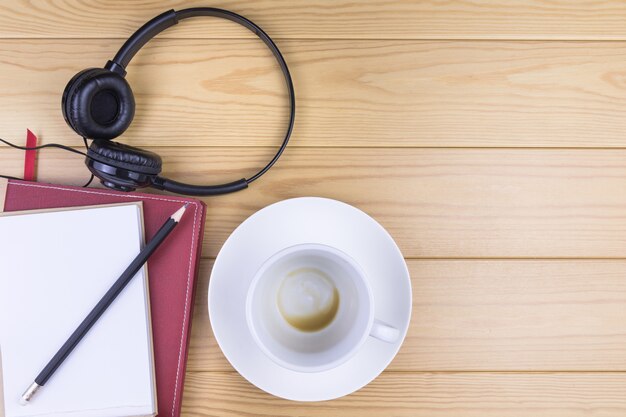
x=98 y=104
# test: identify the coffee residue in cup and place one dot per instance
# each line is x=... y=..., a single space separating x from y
x=308 y=300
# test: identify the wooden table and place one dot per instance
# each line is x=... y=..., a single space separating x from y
x=488 y=137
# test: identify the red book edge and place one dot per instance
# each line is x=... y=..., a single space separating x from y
x=178 y=395
x=4 y=184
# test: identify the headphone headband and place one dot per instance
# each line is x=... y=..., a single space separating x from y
x=165 y=20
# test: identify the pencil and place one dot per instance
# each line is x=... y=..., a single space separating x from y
x=102 y=305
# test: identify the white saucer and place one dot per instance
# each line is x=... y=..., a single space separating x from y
x=288 y=223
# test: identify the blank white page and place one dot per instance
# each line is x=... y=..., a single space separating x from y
x=54 y=267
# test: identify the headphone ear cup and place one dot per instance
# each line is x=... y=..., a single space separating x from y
x=69 y=90
x=125 y=156
x=98 y=104
x=122 y=167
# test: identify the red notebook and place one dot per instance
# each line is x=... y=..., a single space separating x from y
x=172 y=269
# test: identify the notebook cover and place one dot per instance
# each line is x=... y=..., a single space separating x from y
x=172 y=269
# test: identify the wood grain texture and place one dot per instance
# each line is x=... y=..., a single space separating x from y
x=422 y=395
x=371 y=19
x=444 y=120
x=439 y=203
x=491 y=316
x=367 y=93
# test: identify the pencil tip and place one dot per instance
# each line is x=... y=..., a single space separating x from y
x=179 y=213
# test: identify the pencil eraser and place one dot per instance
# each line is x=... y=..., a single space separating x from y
x=23 y=401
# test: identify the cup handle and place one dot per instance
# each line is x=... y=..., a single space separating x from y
x=385 y=332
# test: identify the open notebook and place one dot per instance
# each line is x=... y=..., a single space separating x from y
x=54 y=267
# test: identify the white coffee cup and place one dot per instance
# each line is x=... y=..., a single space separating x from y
x=312 y=281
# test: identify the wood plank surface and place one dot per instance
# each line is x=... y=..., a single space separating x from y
x=488 y=137
x=370 y=19
x=491 y=316
x=436 y=203
x=423 y=395
x=368 y=93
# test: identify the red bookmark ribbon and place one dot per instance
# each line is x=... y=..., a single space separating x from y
x=30 y=156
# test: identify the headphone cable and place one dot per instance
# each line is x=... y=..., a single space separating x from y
x=47 y=145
